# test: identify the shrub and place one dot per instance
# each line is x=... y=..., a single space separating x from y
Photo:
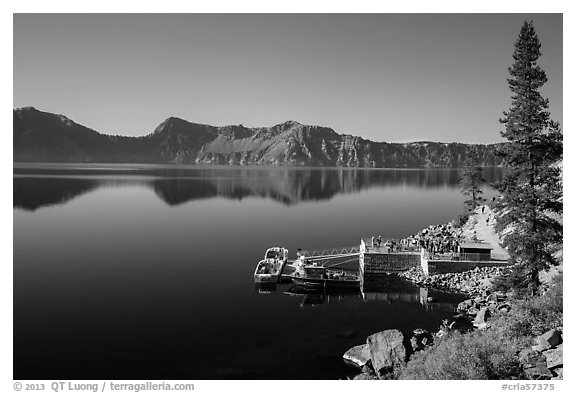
x=514 y=281
x=462 y=220
x=478 y=355
x=536 y=315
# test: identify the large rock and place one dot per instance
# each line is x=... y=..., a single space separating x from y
x=549 y=339
x=492 y=298
x=482 y=316
x=358 y=355
x=367 y=374
x=554 y=356
x=363 y=377
x=559 y=372
x=465 y=305
x=525 y=354
x=534 y=364
x=540 y=372
x=529 y=358
x=387 y=350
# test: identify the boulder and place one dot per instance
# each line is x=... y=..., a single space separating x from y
x=472 y=311
x=482 y=316
x=540 y=372
x=492 y=298
x=549 y=339
x=525 y=355
x=465 y=305
x=534 y=361
x=364 y=376
x=387 y=350
x=358 y=355
x=483 y=326
x=538 y=348
x=367 y=374
x=554 y=356
x=558 y=373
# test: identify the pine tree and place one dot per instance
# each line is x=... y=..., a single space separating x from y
x=470 y=180
x=531 y=189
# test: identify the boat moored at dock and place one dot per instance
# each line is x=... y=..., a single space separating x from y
x=271 y=267
x=312 y=276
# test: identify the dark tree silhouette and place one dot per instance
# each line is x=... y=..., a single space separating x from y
x=470 y=180
x=531 y=190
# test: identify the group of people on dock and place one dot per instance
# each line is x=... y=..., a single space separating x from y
x=401 y=245
x=436 y=240
x=440 y=239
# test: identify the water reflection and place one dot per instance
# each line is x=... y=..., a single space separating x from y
x=127 y=288
x=390 y=289
x=393 y=289
x=32 y=193
x=39 y=186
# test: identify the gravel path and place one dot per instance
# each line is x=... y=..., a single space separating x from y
x=485 y=230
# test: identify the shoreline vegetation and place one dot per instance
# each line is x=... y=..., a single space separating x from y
x=493 y=335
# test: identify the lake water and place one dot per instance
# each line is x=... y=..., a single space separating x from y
x=146 y=272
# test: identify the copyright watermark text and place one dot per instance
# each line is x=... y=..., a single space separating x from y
x=105 y=386
x=527 y=386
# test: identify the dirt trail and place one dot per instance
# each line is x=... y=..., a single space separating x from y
x=482 y=225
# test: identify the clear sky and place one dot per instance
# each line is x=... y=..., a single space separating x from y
x=385 y=77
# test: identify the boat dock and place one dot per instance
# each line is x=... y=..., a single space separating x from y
x=389 y=256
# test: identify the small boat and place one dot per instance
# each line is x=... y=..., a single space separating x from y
x=320 y=277
x=270 y=268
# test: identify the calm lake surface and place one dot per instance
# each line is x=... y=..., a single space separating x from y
x=146 y=272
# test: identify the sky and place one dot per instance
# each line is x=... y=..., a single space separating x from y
x=385 y=77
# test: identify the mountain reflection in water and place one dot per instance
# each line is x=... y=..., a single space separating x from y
x=37 y=186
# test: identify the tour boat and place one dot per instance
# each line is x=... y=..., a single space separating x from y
x=313 y=276
x=270 y=268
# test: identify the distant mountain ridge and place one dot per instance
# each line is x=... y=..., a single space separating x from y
x=46 y=137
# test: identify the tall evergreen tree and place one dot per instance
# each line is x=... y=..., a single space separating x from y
x=531 y=189
x=470 y=180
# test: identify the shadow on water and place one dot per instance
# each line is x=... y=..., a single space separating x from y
x=40 y=186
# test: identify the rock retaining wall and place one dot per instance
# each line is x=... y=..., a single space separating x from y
x=441 y=267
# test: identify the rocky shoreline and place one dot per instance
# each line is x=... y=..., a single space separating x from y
x=472 y=283
x=386 y=351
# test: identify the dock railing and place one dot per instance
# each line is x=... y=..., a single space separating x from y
x=329 y=253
